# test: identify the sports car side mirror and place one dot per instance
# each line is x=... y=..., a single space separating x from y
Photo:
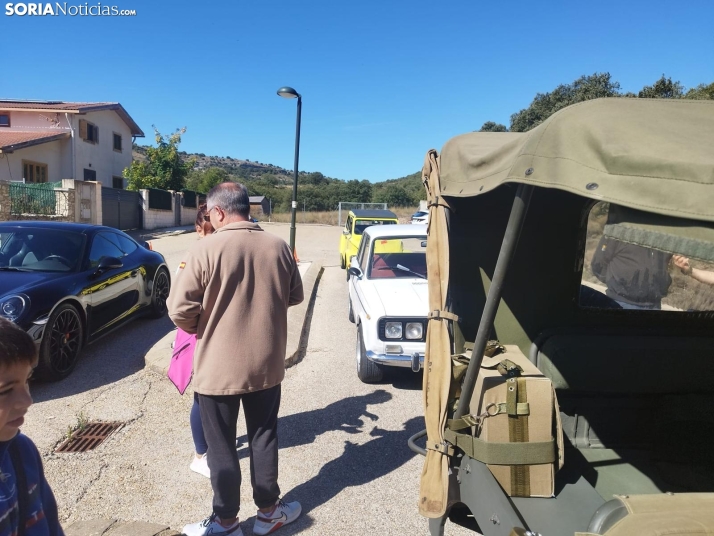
x=108 y=263
x=354 y=271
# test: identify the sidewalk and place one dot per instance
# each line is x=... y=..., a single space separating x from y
x=143 y=235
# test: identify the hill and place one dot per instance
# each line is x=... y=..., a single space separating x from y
x=316 y=191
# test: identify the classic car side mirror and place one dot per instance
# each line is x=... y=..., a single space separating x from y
x=423 y=243
x=354 y=271
x=345 y=232
x=108 y=263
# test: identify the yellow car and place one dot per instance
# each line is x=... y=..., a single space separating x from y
x=357 y=222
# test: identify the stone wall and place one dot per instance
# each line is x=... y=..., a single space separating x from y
x=4 y=201
x=63 y=209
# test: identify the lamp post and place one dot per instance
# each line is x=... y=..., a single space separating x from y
x=290 y=93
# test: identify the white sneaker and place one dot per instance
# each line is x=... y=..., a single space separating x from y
x=211 y=527
x=200 y=466
x=283 y=514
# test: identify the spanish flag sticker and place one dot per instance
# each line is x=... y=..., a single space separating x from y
x=182 y=266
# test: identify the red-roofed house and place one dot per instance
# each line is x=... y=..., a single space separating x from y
x=47 y=141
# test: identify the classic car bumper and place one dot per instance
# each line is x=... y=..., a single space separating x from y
x=397 y=360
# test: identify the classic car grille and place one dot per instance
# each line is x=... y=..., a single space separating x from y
x=383 y=322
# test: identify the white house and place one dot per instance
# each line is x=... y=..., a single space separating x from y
x=47 y=141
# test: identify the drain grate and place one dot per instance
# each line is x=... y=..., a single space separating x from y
x=90 y=437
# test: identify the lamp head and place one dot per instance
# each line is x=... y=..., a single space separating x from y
x=288 y=93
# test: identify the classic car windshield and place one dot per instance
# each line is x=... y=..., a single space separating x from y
x=398 y=257
x=39 y=250
x=635 y=260
x=361 y=225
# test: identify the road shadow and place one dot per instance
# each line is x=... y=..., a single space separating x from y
x=345 y=415
x=108 y=360
x=358 y=465
x=404 y=379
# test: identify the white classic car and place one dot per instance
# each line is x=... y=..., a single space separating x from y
x=388 y=299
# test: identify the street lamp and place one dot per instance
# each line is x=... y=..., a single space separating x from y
x=290 y=93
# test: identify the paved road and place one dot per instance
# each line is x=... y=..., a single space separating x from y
x=343 y=443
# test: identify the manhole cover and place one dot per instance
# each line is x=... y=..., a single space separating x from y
x=89 y=437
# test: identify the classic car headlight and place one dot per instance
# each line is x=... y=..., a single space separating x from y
x=393 y=330
x=12 y=307
x=414 y=330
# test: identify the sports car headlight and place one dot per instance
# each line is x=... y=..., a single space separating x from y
x=12 y=307
x=393 y=330
x=415 y=330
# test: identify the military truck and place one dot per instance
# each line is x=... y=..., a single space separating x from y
x=569 y=369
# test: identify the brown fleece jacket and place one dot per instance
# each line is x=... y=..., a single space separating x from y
x=234 y=291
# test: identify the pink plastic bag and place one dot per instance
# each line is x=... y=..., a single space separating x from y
x=181 y=367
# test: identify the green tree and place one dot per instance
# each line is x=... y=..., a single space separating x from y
x=164 y=168
x=546 y=104
x=490 y=126
x=663 y=88
x=701 y=92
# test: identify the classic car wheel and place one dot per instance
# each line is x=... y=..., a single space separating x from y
x=160 y=293
x=342 y=262
x=367 y=371
x=61 y=344
x=350 y=313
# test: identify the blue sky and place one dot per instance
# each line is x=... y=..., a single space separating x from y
x=382 y=81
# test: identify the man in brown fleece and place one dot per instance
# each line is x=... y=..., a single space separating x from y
x=233 y=291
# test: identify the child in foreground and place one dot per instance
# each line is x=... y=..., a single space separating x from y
x=27 y=505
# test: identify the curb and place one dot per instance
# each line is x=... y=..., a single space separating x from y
x=158 y=358
x=113 y=527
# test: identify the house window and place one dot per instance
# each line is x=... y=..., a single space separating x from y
x=90 y=174
x=34 y=172
x=88 y=131
x=118 y=182
x=117 y=142
x=4 y=120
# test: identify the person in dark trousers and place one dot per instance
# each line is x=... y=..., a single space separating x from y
x=637 y=277
x=234 y=291
x=27 y=505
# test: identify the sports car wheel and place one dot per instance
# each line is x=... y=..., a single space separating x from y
x=367 y=371
x=160 y=293
x=61 y=344
x=350 y=312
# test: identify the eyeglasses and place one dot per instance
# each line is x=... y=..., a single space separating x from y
x=207 y=215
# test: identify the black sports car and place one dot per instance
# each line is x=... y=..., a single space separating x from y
x=67 y=284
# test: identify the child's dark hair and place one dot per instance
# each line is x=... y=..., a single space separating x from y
x=16 y=346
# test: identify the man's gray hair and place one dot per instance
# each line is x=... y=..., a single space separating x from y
x=232 y=197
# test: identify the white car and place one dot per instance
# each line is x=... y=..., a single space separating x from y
x=389 y=299
x=420 y=217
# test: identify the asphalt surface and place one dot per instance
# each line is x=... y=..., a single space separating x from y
x=343 y=444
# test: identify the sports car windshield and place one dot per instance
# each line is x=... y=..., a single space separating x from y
x=39 y=250
x=398 y=257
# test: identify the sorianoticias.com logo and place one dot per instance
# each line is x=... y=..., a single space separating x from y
x=46 y=9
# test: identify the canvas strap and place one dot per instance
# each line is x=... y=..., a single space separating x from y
x=518 y=434
x=522 y=408
x=494 y=453
x=442 y=315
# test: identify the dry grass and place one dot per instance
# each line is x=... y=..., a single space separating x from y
x=331 y=217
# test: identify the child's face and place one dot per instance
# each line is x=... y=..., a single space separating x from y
x=15 y=398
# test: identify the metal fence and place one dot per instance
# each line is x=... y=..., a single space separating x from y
x=344 y=207
x=38 y=199
x=159 y=199
x=190 y=199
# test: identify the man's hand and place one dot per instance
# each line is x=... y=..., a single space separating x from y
x=682 y=262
